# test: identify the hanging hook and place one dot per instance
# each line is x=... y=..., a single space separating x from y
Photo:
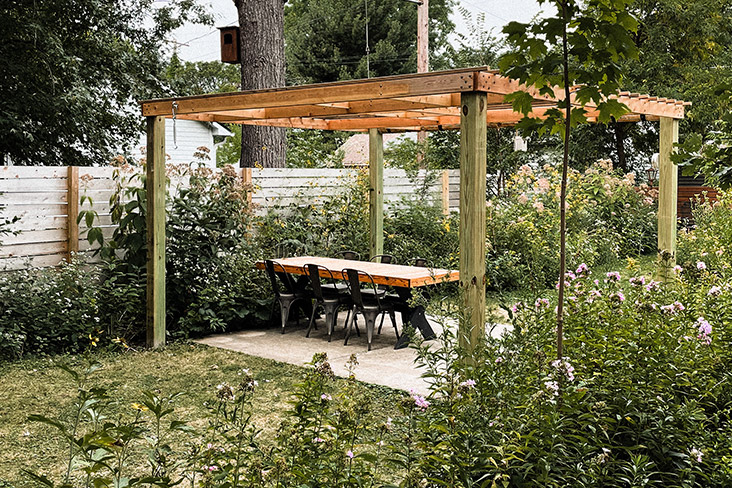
x=175 y=134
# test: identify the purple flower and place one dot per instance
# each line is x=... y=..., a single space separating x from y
x=499 y=359
x=705 y=330
x=552 y=386
x=318 y=440
x=714 y=291
x=678 y=269
x=618 y=296
x=637 y=280
x=652 y=285
x=349 y=454
x=695 y=454
x=593 y=295
x=613 y=276
x=564 y=367
x=541 y=303
x=701 y=265
x=467 y=384
x=420 y=401
x=582 y=269
x=326 y=397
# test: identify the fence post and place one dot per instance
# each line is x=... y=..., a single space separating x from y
x=72 y=211
x=446 y=192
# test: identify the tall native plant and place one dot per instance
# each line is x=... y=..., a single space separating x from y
x=574 y=56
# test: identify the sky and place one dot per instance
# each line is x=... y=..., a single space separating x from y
x=201 y=43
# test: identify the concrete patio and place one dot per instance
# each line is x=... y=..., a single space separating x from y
x=382 y=365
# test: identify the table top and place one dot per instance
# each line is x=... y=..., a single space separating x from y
x=383 y=274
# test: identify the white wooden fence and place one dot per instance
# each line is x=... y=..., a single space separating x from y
x=44 y=197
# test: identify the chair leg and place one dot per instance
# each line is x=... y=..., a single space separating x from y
x=370 y=325
x=382 y=323
x=285 y=314
x=330 y=310
x=311 y=325
x=333 y=321
x=349 y=325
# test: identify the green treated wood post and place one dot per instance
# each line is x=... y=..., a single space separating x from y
x=472 y=217
x=376 y=192
x=155 y=189
x=668 y=186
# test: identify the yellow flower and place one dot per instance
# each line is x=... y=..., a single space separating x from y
x=139 y=407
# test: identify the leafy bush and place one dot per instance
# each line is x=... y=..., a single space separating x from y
x=211 y=280
x=48 y=310
x=608 y=217
x=417 y=228
x=708 y=245
x=643 y=397
x=323 y=228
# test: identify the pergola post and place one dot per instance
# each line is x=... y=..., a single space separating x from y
x=376 y=192
x=472 y=217
x=668 y=183
x=155 y=189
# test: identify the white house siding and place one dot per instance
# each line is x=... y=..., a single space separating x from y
x=190 y=135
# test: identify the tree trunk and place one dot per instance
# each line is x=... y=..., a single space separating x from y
x=620 y=146
x=262 y=43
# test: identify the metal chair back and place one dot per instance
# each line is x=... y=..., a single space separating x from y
x=384 y=259
x=421 y=263
x=350 y=255
x=313 y=273
x=354 y=285
x=289 y=248
x=275 y=270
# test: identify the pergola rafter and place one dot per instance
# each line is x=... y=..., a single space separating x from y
x=468 y=99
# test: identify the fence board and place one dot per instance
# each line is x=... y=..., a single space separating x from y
x=38 y=195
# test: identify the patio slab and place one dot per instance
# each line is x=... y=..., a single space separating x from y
x=382 y=365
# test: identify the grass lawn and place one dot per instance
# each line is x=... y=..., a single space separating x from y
x=39 y=386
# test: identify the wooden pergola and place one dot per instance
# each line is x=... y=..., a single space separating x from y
x=467 y=99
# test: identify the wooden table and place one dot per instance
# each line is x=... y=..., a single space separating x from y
x=395 y=275
x=402 y=278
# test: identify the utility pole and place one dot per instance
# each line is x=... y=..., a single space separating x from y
x=423 y=61
x=423 y=41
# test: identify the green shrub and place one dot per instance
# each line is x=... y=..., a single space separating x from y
x=608 y=217
x=708 y=245
x=211 y=282
x=49 y=311
x=418 y=228
x=643 y=397
x=338 y=223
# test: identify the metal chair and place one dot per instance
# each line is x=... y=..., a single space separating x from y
x=350 y=255
x=287 y=297
x=289 y=248
x=384 y=259
x=369 y=308
x=421 y=263
x=330 y=296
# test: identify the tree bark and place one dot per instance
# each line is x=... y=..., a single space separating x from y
x=262 y=40
x=620 y=146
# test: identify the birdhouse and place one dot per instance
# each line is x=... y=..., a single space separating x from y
x=230 y=52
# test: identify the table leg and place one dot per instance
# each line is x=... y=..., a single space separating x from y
x=415 y=316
